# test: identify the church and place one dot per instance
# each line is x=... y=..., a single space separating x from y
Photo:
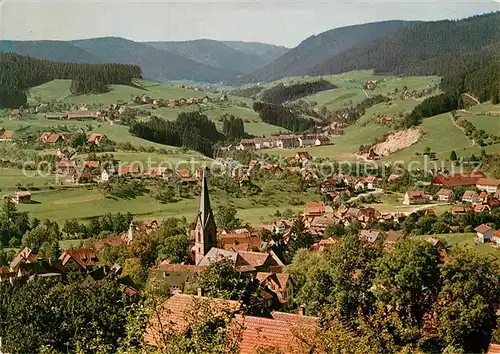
x=204 y=233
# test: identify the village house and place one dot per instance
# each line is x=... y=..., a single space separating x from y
x=6 y=135
x=66 y=166
x=444 y=195
x=313 y=209
x=80 y=178
x=244 y=261
x=393 y=178
x=56 y=116
x=470 y=197
x=489 y=185
x=91 y=165
x=481 y=208
x=415 y=197
x=322 y=245
x=95 y=138
x=392 y=238
x=180 y=278
x=23 y=197
x=278 y=333
x=372 y=182
x=26 y=255
x=496 y=238
x=307 y=140
x=370 y=236
x=50 y=138
x=130 y=171
x=484 y=233
x=82 y=115
x=280 y=284
x=465 y=179
x=246 y=144
x=78 y=261
x=287 y=142
x=302 y=156
x=15 y=113
x=240 y=241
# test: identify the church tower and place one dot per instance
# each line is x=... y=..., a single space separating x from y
x=205 y=231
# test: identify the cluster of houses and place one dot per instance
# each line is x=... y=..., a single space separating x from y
x=174 y=102
x=80 y=115
x=54 y=138
x=484 y=196
x=486 y=233
x=283 y=142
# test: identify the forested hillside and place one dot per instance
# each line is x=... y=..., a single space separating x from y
x=269 y=52
x=213 y=53
x=19 y=73
x=51 y=50
x=156 y=64
x=429 y=48
x=316 y=49
x=281 y=93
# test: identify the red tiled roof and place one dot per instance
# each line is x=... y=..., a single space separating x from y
x=91 y=164
x=254 y=259
x=84 y=114
x=494 y=349
x=109 y=241
x=416 y=194
x=488 y=182
x=458 y=180
x=85 y=257
x=444 y=192
x=483 y=228
x=270 y=333
x=8 y=134
x=314 y=208
x=171 y=315
x=128 y=169
x=184 y=173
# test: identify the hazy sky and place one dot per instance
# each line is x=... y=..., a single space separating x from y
x=277 y=22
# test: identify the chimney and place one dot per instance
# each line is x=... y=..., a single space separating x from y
x=302 y=310
x=199 y=292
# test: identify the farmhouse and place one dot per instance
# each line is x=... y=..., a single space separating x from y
x=95 y=138
x=91 y=165
x=21 y=197
x=489 y=185
x=301 y=156
x=314 y=209
x=50 y=138
x=128 y=171
x=287 y=142
x=6 y=135
x=470 y=197
x=392 y=238
x=82 y=115
x=444 y=195
x=369 y=236
x=372 y=182
x=65 y=166
x=246 y=144
x=484 y=233
x=415 y=197
x=465 y=179
x=108 y=174
x=307 y=140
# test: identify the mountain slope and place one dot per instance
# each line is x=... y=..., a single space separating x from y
x=268 y=52
x=406 y=50
x=50 y=50
x=213 y=53
x=316 y=49
x=156 y=64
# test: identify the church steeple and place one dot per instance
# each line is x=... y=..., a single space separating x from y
x=205 y=231
x=205 y=211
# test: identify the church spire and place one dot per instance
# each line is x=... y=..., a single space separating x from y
x=205 y=231
x=205 y=208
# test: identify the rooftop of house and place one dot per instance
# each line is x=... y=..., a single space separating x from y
x=172 y=315
x=490 y=182
x=483 y=228
x=85 y=257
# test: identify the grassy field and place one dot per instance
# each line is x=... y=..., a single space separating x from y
x=466 y=240
x=10 y=177
x=58 y=90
